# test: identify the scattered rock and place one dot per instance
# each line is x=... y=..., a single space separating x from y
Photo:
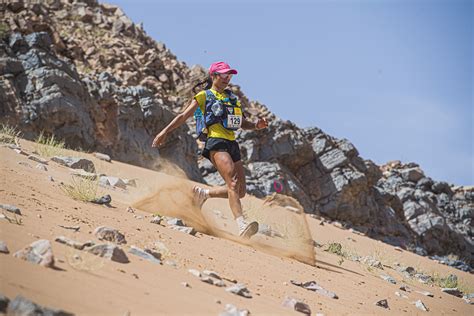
x=3 y=247
x=84 y=174
x=195 y=272
x=388 y=278
x=109 y=234
x=11 y=208
x=452 y=291
x=38 y=252
x=382 y=303
x=183 y=229
x=419 y=304
x=50 y=178
x=174 y=222
x=469 y=298
x=313 y=286
x=297 y=305
x=41 y=167
x=144 y=254
x=75 y=163
x=423 y=278
x=74 y=228
x=74 y=244
x=239 y=289
x=231 y=310
x=22 y=163
x=426 y=293
x=23 y=306
x=185 y=284
x=38 y=159
x=400 y=295
x=103 y=157
x=112 y=181
x=109 y=251
x=156 y=220
x=106 y=199
x=171 y=263
x=4 y=301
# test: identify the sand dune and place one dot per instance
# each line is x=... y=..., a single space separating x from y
x=85 y=284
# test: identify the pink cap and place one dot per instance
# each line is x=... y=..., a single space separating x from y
x=221 y=67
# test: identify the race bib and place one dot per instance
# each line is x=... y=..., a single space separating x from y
x=234 y=121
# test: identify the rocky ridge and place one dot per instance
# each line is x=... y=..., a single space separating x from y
x=86 y=73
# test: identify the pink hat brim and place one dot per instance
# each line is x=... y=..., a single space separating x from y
x=227 y=71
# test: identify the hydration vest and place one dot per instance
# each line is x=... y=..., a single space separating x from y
x=225 y=112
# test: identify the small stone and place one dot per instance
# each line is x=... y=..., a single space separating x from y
x=75 y=163
x=23 y=306
x=313 y=286
x=195 y=272
x=38 y=159
x=41 y=167
x=185 y=284
x=74 y=244
x=297 y=305
x=112 y=181
x=469 y=298
x=74 y=228
x=426 y=293
x=22 y=163
x=231 y=310
x=4 y=301
x=38 y=252
x=239 y=289
x=20 y=151
x=11 y=208
x=419 y=304
x=50 y=178
x=156 y=220
x=398 y=249
x=109 y=251
x=452 y=291
x=103 y=157
x=109 y=234
x=84 y=174
x=183 y=229
x=138 y=216
x=382 y=303
x=3 y=247
x=388 y=278
x=400 y=295
x=175 y=222
x=211 y=274
x=106 y=199
x=144 y=254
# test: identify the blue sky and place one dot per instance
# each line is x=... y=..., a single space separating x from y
x=393 y=77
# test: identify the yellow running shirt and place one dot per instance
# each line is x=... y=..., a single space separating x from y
x=215 y=130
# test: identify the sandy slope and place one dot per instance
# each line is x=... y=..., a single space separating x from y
x=95 y=286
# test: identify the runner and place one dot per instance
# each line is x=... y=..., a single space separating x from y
x=218 y=114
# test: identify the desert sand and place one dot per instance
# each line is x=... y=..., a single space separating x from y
x=84 y=284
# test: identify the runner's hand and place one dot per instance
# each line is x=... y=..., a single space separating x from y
x=261 y=123
x=159 y=140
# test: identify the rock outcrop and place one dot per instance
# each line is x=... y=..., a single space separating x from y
x=86 y=73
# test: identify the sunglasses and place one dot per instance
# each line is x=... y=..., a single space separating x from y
x=224 y=75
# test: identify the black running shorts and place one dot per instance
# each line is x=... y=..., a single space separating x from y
x=221 y=144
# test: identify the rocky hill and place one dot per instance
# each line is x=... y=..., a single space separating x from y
x=86 y=73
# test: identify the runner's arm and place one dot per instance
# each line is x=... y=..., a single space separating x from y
x=175 y=123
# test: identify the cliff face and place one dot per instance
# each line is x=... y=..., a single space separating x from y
x=86 y=73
